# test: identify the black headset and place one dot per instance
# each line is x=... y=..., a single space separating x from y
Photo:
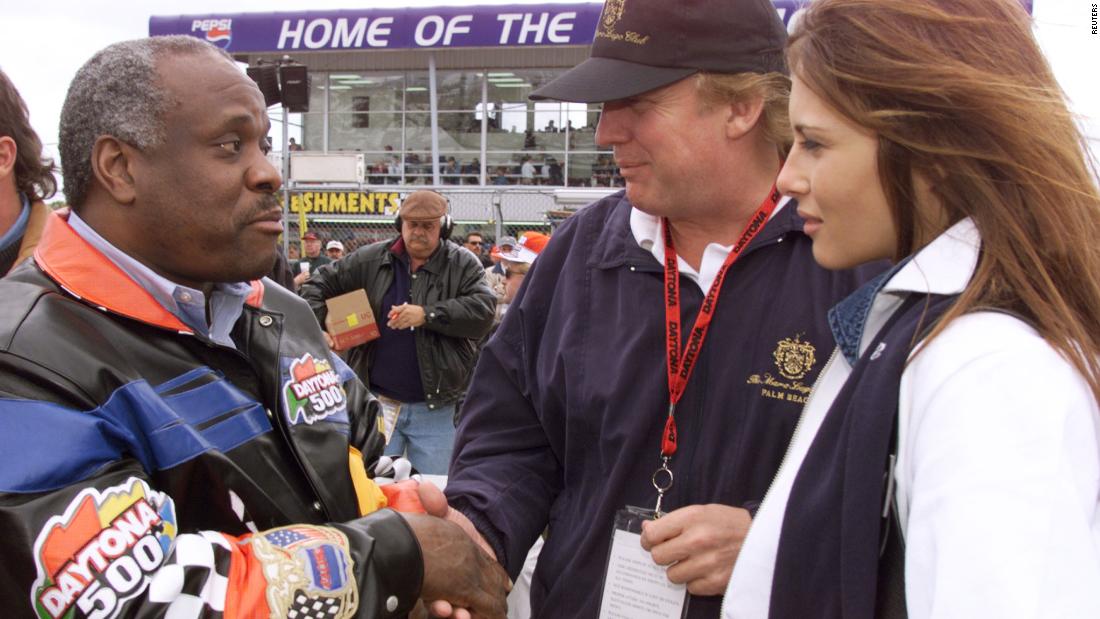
x=446 y=223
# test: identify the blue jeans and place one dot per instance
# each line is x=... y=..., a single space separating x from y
x=425 y=436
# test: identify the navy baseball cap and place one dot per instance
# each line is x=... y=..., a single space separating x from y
x=641 y=45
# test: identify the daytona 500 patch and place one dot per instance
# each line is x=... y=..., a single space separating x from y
x=312 y=390
x=102 y=550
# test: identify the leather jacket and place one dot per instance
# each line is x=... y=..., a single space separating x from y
x=451 y=287
x=145 y=468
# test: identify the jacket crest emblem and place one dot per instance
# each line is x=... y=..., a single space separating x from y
x=794 y=358
x=309 y=572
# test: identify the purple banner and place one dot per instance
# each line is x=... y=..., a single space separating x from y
x=438 y=27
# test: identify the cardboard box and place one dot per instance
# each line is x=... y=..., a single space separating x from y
x=350 y=320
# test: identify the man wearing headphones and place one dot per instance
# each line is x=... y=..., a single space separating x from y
x=432 y=304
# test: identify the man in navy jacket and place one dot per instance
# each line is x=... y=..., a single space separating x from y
x=565 y=421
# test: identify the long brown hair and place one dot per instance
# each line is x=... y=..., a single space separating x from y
x=959 y=94
x=33 y=173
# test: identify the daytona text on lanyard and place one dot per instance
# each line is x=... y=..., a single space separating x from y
x=681 y=364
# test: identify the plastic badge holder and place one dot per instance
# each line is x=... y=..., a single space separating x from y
x=634 y=587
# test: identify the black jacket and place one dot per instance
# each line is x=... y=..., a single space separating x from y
x=458 y=306
x=135 y=453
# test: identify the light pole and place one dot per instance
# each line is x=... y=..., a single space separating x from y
x=283 y=82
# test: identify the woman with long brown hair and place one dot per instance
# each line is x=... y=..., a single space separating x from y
x=947 y=463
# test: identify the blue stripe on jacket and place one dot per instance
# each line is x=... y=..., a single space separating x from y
x=57 y=446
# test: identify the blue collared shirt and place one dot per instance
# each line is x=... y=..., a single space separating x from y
x=15 y=233
x=187 y=304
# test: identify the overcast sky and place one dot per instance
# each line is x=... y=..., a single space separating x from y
x=43 y=43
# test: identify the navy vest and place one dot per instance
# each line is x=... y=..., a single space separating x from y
x=827 y=563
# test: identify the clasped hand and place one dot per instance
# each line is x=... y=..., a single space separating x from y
x=462 y=578
x=699 y=543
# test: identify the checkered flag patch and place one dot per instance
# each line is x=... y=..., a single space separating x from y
x=306 y=607
x=193 y=582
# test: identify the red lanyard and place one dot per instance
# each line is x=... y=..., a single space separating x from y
x=680 y=365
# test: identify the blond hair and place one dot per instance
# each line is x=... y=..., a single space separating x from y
x=774 y=88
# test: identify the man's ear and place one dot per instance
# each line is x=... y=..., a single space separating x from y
x=743 y=117
x=8 y=153
x=113 y=163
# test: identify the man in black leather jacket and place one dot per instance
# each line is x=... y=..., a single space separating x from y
x=432 y=304
x=175 y=436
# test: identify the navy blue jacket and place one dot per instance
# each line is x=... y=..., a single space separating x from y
x=827 y=562
x=562 y=423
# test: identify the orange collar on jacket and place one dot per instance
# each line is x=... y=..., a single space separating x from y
x=87 y=274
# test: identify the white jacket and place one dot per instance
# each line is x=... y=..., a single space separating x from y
x=998 y=470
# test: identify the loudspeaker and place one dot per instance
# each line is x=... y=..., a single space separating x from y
x=294 y=80
x=266 y=77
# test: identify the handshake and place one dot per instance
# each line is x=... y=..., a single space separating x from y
x=462 y=578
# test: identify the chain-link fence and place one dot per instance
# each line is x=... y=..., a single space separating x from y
x=357 y=216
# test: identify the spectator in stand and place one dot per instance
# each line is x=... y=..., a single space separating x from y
x=26 y=179
x=500 y=176
x=529 y=139
x=334 y=250
x=433 y=306
x=293 y=145
x=554 y=172
x=527 y=171
x=450 y=171
x=313 y=258
x=393 y=166
x=471 y=172
x=550 y=127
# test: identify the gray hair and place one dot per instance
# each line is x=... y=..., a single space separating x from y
x=117 y=93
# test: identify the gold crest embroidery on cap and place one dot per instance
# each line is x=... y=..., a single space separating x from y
x=613 y=12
